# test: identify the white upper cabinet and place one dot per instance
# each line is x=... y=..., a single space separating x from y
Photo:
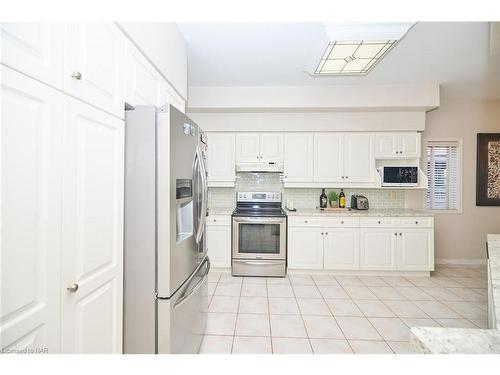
x=259 y=148
x=397 y=145
x=359 y=163
x=35 y=49
x=142 y=81
x=271 y=147
x=328 y=157
x=94 y=65
x=299 y=154
x=32 y=121
x=221 y=159
x=247 y=148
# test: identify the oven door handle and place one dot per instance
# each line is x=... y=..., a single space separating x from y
x=257 y=263
x=264 y=220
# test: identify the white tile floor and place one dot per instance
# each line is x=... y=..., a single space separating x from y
x=338 y=314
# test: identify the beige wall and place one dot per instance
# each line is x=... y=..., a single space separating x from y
x=462 y=236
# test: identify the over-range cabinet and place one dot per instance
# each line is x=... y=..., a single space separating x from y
x=166 y=263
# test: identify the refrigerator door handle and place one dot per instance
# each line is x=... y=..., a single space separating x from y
x=185 y=297
x=203 y=211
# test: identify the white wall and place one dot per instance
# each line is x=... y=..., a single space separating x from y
x=165 y=47
x=314 y=121
x=462 y=236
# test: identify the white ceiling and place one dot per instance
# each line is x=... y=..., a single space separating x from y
x=455 y=55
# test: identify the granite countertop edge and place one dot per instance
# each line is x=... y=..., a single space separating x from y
x=437 y=340
x=403 y=212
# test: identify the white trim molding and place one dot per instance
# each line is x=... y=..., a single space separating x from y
x=461 y=262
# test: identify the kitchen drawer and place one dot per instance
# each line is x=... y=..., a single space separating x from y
x=219 y=220
x=347 y=222
x=305 y=221
x=378 y=222
x=416 y=222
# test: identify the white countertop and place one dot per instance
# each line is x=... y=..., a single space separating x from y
x=466 y=340
x=370 y=212
x=220 y=210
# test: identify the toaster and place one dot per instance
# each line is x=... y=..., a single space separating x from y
x=359 y=202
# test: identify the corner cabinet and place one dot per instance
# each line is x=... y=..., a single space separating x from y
x=402 y=145
x=221 y=159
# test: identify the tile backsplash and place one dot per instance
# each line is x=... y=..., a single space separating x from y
x=301 y=197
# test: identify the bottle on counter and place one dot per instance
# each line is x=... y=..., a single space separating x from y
x=342 y=199
x=323 y=200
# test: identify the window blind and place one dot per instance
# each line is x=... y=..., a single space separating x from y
x=443 y=175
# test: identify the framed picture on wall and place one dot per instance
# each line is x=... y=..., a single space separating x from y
x=488 y=169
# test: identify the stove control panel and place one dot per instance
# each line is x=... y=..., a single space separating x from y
x=258 y=196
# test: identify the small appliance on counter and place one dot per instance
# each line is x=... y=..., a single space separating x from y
x=359 y=202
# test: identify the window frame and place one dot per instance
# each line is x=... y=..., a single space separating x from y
x=459 y=142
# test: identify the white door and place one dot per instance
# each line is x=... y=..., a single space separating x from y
x=378 y=249
x=299 y=157
x=385 y=145
x=271 y=148
x=221 y=159
x=219 y=245
x=31 y=117
x=328 y=157
x=142 y=81
x=247 y=148
x=94 y=65
x=341 y=249
x=415 y=249
x=92 y=232
x=305 y=248
x=35 y=49
x=359 y=162
x=409 y=145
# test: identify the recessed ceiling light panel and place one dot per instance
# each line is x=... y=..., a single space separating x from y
x=354 y=49
x=352 y=57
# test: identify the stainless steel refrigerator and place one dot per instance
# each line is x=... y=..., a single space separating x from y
x=165 y=264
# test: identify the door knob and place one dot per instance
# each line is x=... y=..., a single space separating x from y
x=76 y=75
x=72 y=288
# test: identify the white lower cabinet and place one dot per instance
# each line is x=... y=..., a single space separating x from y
x=416 y=249
x=305 y=248
x=219 y=240
x=341 y=249
x=369 y=244
x=92 y=230
x=32 y=121
x=62 y=216
x=378 y=249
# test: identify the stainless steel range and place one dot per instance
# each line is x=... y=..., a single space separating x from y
x=259 y=233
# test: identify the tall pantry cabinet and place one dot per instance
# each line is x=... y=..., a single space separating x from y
x=62 y=155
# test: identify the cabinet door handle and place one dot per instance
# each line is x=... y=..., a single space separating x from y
x=416 y=222
x=76 y=75
x=395 y=234
x=72 y=288
x=379 y=222
x=305 y=221
x=342 y=222
x=326 y=233
x=346 y=176
x=400 y=234
x=322 y=233
x=342 y=176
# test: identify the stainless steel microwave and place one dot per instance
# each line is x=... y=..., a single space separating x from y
x=399 y=176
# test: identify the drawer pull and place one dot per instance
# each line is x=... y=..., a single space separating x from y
x=305 y=221
x=400 y=234
x=416 y=222
x=342 y=222
x=379 y=222
x=395 y=234
x=322 y=233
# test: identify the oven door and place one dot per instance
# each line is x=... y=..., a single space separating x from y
x=259 y=238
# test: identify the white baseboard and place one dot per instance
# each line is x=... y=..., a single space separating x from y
x=462 y=262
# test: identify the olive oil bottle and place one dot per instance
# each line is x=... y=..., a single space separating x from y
x=342 y=199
